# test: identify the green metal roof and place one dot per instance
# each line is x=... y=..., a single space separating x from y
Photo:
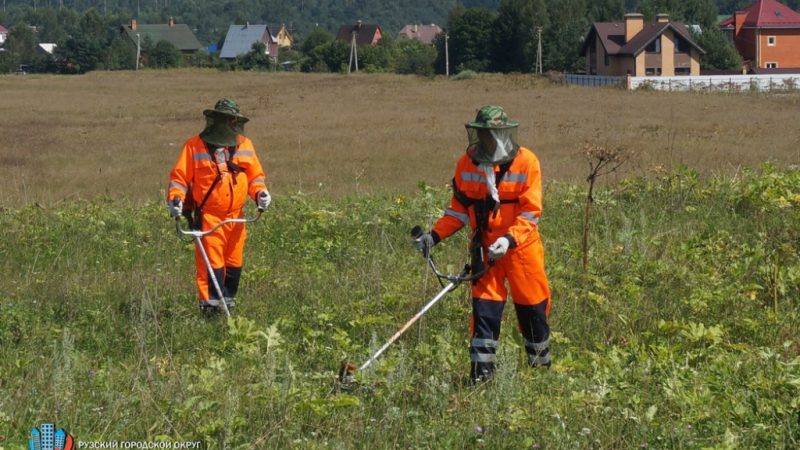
x=179 y=35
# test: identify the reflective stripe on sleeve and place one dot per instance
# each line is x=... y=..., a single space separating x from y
x=257 y=180
x=173 y=184
x=530 y=216
x=201 y=157
x=472 y=176
x=245 y=153
x=460 y=216
x=515 y=177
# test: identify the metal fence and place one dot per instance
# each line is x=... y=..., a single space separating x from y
x=593 y=80
x=719 y=83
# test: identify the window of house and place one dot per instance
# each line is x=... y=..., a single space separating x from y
x=681 y=45
x=652 y=71
x=654 y=47
x=771 y=41
x=772 y=65
x=682 y=71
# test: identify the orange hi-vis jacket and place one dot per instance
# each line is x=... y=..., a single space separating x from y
x=520 y=193
x=196 y=170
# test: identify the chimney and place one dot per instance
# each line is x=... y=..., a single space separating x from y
x=133 y=24
x=738 y=21
x=171 y=22
x=634 y=23
x=662 y=18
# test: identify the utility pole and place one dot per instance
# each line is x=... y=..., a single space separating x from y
x=353 y=53
x=446 y=55
x=539 y=52
x=352 y=44
x=138 y=51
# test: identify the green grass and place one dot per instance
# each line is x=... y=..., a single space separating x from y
x=684 y=333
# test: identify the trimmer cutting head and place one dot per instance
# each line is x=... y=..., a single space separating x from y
x=346 y=373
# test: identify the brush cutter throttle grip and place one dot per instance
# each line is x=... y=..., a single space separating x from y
x=417 y=233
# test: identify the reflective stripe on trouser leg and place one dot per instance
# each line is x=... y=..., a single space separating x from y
x=231 y=285
x=486 y=317
x=535 y=331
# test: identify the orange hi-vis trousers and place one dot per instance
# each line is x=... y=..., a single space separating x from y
x=225 y=249
x=523 y=267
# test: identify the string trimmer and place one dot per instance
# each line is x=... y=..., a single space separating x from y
x=347 y=369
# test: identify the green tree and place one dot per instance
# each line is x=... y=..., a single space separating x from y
x=78 y=54
x=165 y=55
x=330 y=57
x=470 y=39
x=514 y=34
x=694 y=12
x=315 y=39
x=606 y=10
x=21 y=43
x=414 y=57
x=564 y=37
x=720 y=52
x=256 y=59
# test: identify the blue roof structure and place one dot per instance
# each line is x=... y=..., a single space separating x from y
x=240 y=39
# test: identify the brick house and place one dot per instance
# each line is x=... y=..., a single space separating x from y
x=636 y=48
x=767 y=35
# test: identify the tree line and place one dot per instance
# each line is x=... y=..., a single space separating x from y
x=483 y=35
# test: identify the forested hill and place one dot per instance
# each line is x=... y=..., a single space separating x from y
x=210 y=18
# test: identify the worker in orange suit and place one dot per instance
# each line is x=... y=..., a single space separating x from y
x=497 y=191
x=215 y=173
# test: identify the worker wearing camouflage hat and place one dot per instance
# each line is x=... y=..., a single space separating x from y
x=497 y=191
x=215 y=173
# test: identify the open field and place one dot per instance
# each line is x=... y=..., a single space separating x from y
x=119 y=133
x=683 y=335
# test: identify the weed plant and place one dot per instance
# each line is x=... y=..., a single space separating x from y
x=684 y=333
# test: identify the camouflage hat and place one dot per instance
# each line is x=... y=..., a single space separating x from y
x=223 y=124
x=226 y=107
x=491 y=116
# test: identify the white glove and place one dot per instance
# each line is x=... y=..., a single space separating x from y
x=175 y=207
x=424 y=242
x=263 y=199
x=499 y=248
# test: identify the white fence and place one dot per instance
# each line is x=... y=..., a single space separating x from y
x=712 y=83
x=719 y=83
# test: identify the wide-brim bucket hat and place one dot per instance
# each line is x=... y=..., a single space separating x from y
x=223 y=124
x=226 y=107
x=492 y=117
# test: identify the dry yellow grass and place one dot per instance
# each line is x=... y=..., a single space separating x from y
x=118 y=133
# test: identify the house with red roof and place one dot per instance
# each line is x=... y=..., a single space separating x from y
x=363 y=33
x=638 y=48
x=767 y=35
x=422 y=33
x=3 y=35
